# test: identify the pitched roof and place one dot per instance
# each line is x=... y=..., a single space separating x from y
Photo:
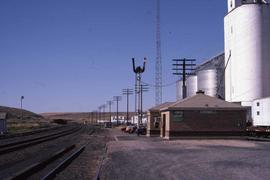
x=202 y=101
x=160 y=106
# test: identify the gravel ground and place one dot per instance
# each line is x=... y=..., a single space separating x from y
x=132 y=157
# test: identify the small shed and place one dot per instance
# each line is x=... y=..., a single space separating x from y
x=202 y=115
x=153 y=119
x=3 y=122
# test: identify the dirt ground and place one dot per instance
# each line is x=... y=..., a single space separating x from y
x=131 y=157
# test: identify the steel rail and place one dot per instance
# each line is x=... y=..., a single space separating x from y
x=60 y=167
x=19 y=146
x=36 y=167
x=34 y=139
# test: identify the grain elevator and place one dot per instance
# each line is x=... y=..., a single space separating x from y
x=247 y=51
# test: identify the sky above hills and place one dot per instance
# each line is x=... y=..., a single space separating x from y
x=74 y=55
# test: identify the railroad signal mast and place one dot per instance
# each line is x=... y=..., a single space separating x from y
x=138 y=93
x=184 y=67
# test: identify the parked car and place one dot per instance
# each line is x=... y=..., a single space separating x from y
x=131 y=129
x=108 y=125
x=141 y=130
x=123 y=128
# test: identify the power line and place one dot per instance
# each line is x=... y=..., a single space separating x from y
x=165 y=85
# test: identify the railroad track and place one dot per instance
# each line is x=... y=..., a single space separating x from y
x=57 y=162
x=29 y=133
x=14 y=146
x=38 y=166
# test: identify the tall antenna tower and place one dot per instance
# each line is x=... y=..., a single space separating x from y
x=158 y=74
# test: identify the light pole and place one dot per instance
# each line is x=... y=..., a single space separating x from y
x=22 y=97
x=117 y=99
x=127 y=92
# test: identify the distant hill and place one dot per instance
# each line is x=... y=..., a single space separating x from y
x=15 y=113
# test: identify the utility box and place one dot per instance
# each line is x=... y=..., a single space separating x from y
x=3 y=123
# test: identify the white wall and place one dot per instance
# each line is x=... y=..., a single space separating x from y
x=261 y=112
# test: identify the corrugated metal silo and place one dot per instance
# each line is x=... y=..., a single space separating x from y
x=179 y=90
x=191 y=84
x=247 y=42
x=207 y=81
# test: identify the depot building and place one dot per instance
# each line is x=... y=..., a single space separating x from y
x=200 y=115
x=154 y=119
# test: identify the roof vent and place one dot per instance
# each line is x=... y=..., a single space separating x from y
x=200 y=92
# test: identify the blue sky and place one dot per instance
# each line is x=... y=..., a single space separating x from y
x=74 y=55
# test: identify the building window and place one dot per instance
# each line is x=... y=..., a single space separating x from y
x=258 y=113
x=258 y=104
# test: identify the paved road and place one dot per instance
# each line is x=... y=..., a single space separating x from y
x=131 y=157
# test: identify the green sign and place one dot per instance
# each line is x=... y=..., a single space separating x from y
x=177 y=116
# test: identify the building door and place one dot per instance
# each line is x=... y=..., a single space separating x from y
x=163 y=125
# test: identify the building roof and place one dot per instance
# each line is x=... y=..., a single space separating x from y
x=160 y=106
x=202 y=101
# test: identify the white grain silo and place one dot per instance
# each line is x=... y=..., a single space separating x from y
x=179 y=90
x=191 y=84
x=247 y=43
x=207 y=81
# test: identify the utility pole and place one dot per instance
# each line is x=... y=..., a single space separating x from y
x=117 y=99
x=96 y=113
x=127 y=92
x=99 y=110
x=186 y=67
x=104 y=113
x=144 y=88
x=138 y=93
x=110 y=105
x=22 y=97
x=91 y=117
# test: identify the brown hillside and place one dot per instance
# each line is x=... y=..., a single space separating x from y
x=15 y=113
